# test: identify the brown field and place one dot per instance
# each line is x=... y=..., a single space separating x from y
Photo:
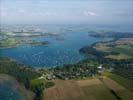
x=98 y=92
x=89 y=89
x=89 y=82
x=64 y=90
x=94 y=89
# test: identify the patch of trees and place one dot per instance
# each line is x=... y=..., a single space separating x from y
x=74 y=71
x=89 y=50
x=17 y=70
x=121 y=67
x=38 y=90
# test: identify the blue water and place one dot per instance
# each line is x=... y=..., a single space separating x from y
x=58 y=52
x=8 y=92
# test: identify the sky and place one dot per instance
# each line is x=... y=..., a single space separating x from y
x=66 y=11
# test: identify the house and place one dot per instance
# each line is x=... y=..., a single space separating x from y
x=100 y=68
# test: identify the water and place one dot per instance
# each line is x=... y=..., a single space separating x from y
x=58 y=52
x=8 y=92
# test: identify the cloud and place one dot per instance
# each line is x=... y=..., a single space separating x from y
x=4 y=14
x=89 y=13
x=124 y=13
x=49 y=13
x=3 y=8
x=20 y=11
x=44 y=13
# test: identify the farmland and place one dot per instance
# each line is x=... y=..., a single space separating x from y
x=90 y=89
x=122 y=51
x=64 y=90
x=116 y=49
x=14 y=42
x=120 y=92
x=121 y=80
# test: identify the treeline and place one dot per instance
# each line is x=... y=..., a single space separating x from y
x=123 y=67
x=89 y=50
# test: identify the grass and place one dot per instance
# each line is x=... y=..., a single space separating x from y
x=124 y=51
x=98 y=92
x=36 y=82
x=125 y=47
x=127 y=83
x=119 y=57
x=10 y=42
x=120 y=92
x=103 y=47
x=94 y=89
x=123 y=81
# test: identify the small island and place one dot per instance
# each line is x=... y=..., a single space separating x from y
x=14 y=42
x=113 y=34
x=34 y=43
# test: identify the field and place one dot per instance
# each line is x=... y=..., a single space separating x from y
x=115 y=50
x=119 y=56
x=121 y=92
x=8 y=43
x=128 y=83
x=103 y=47
x=64 y=90
x=35 y=82
x=90 y=89
x=125 y=49
x=14 y=42
x=94 y=89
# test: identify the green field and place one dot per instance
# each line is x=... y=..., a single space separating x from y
x=115 y=51
x=35 y=82
x=127 y=83
x=103 y=47
x=123 y=81
x=119 y=56
x=125 y=49
x=98 y=92
x=7 y=43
